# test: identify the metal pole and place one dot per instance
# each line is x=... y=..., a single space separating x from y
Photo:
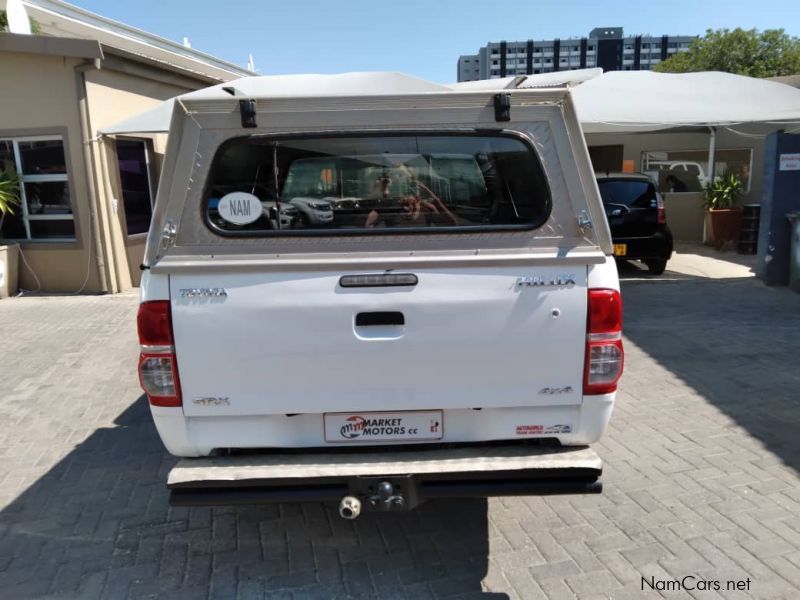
x=90 y=167
x=712 y=147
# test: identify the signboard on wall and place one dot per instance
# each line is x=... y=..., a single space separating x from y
x=789 y=162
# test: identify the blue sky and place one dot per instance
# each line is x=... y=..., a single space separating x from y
x=419 y=37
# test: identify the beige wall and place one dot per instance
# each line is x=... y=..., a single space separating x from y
x=114 y=96
x=685 y=211
x=40 y=98
x=43 y=100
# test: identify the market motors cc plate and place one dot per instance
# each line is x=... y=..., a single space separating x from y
x=371 y=427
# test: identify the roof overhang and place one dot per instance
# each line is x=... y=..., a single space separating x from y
x=50 y=45
x=61 y=19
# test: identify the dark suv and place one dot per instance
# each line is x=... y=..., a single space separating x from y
x=635 y=212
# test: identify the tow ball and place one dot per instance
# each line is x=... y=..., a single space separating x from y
x=349 y=507
x=385 y=499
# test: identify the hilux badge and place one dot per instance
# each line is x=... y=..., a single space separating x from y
x=542 y=281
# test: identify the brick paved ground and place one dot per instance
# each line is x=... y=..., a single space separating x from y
x=701 y=476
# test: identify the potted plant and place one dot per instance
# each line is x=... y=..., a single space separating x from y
x=9 y=253
x=723 y=215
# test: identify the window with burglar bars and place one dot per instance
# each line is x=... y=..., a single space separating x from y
x=45 y=209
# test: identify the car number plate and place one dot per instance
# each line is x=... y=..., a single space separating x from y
x=620 y=249
x=383 y=426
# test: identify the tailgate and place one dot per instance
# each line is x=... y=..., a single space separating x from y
x=298 y=342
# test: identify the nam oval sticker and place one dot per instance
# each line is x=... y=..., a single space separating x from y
x=239 y=208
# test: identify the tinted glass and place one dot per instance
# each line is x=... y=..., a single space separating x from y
x=52 y=229
x=42 y=158
x=135 y=181
x=7 y=155
x=48 y=198
x=380 y=183
x=629 y=193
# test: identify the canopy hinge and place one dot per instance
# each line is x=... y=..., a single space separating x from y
x=247 y=110
x=502 y=107
x=584 y=220
x=168 y=236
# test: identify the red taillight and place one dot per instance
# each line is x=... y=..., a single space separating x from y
x=154 y=323
x=604 y=352
x=158 y=369
x=662 y=214
x=605 y=311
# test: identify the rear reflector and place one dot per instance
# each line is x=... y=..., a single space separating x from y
x=158 y=369
x=604 y=353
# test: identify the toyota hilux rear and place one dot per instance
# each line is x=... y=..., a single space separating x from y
x=453 y=329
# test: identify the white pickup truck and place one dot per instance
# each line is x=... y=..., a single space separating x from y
x=453 y=330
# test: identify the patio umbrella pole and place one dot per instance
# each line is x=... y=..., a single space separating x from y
x=712 y=147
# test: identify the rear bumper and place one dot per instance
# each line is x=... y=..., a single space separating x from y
x=572 y=425
x=657 y=246
x=415 y=475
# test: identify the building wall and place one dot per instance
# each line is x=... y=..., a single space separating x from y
x=605 y=47
x=113 y=96
x=685 y=210
x=43 y=101
x=468 y=68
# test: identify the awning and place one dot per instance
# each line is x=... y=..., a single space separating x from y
x=615 y=102
x=636 y=101
x=153 y=120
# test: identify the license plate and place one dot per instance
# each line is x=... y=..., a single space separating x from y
x=383 y=426
x=620 y=249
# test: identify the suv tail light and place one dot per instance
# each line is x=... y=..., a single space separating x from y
x=158 y=370
x=662 y=214
x=604 y=353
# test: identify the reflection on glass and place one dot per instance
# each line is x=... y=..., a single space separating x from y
x=135 y=181
x=44 y=157
x=52 y=229
x=378 y=182
x=48 y=198
x=687 y=171
x=7 y=155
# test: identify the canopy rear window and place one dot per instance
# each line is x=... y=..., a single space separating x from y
x=378 y=184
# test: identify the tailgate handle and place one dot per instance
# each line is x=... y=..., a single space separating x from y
x=368 y=319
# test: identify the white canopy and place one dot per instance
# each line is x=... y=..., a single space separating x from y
x=615 y=102
x=157 y=119
x=632 y=101
x=153 y=120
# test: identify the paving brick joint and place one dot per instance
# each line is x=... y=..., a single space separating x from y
x=701 y=476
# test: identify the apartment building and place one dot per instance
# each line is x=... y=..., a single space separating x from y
x=604 y=47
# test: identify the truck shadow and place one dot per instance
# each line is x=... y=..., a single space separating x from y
x=98 y=524
x=735 y=343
